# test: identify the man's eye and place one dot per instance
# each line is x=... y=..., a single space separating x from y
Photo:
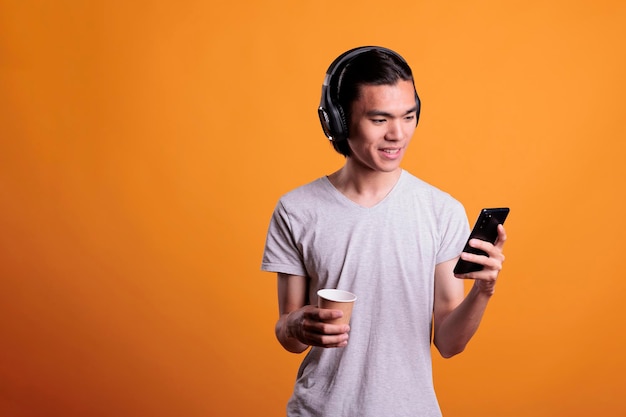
x=378 y=121
x=410 y=117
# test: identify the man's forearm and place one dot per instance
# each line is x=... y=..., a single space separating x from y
x=285 y=338
x=458 y=327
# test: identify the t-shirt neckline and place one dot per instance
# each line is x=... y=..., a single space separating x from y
x=344 y=199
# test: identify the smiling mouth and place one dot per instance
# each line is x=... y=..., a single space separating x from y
x=391 y=151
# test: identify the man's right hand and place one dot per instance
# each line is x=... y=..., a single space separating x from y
x=308 y=325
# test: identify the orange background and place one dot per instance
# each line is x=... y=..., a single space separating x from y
x=144 y=145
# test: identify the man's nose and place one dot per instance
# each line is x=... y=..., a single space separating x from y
x=394 y=130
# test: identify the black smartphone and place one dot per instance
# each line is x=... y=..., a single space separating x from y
x=485 y=228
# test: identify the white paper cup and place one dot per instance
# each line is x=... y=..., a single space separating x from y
x=337 y=300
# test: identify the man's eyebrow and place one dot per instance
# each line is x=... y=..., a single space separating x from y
x=387 y=114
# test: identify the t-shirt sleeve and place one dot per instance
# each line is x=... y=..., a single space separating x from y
x=454 y=232
x=281 y=250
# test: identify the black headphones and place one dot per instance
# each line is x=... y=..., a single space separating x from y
x=331 y=114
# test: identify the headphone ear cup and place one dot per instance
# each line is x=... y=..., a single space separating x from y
x=332 y=118
x=418 y=103
x=342 y=124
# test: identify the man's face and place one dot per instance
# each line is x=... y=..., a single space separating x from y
x=382 y=124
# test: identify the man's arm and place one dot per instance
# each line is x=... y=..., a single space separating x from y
x=456 y=318
x=300 y=325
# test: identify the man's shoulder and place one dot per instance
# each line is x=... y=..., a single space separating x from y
x=419 y=185
x=305 y=192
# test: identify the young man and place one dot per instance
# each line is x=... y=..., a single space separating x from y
x=375 y=230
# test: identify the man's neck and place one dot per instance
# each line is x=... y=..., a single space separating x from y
x=365 y=187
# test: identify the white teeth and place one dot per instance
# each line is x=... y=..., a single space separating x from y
x=391 y=150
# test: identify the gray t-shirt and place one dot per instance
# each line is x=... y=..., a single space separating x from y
x=386 y=255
